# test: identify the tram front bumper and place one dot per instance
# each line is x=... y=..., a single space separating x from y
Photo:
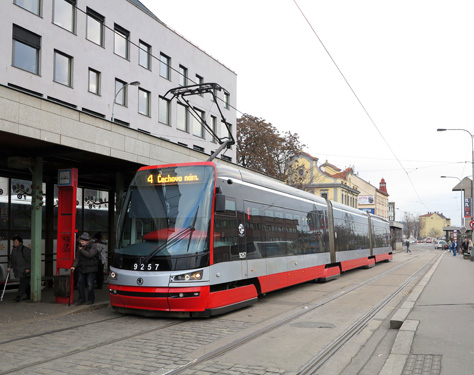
x=159 y=299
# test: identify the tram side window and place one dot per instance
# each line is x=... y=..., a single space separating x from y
x=381 y=234
x=270 y=231
x=352 y=231
x=226 y=240
x=313 y=230
x=254 y=230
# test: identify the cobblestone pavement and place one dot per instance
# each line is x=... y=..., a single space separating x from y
x=105 y=342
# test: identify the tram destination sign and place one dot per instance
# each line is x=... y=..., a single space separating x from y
x=170 y=176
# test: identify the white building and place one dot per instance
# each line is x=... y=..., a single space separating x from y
x=82 y=54
x=66 y=70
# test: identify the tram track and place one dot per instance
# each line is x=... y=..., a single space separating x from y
x=88 y=348
x=319 y=360
x=309 y=368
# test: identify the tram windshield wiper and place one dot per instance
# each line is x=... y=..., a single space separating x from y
x=175 y=239
x=192 y=228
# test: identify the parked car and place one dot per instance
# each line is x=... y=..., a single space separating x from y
x=441 y=244
x=428 y=240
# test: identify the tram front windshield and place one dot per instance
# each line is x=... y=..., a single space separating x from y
x=167 y=212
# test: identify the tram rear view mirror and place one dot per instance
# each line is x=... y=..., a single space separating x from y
x=220 y=203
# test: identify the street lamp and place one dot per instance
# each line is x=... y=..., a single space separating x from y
x=462 y=203
x=472 y=180
x=134 y=83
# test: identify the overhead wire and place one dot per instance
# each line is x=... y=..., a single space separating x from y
x=359 y=101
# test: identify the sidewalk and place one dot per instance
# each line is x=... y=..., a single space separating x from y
x=14 y=312
x=438 y=330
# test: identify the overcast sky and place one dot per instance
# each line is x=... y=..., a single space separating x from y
x=409 y=64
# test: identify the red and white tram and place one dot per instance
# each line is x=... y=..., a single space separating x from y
x=201 y=239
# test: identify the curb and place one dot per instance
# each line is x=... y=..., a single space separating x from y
x=395 y=362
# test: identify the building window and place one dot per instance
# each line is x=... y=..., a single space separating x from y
x=94 y=81
x=214 y=127
x=165 y=66
x=199 y=81
x=95 y=27
x=120 y=92
x=224 y=130
x=64 y=14
x=121 y=41
x=227 y=99
x=144 y=54
x=62 y=68
x=143 y=102
x=198 y=129
x=32 y=6
x=182 y=118
x=163 y=111
x=26 y=47
x=183 y=76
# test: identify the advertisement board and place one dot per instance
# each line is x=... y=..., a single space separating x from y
x=366 y=199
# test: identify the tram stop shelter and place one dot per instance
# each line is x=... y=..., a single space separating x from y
x=39 y=137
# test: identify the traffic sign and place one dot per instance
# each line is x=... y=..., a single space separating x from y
x=471 y=224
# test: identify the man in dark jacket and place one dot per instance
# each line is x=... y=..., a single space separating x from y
x=20 y=262
x=86 y=264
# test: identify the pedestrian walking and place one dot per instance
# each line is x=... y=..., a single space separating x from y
x=99 y=280
x=86 y=263
x=454 y=246
x=450 y=244
x=408 y=247
x=20 y=263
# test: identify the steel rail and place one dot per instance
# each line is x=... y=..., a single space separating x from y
x=327 y=353
x=306 y=309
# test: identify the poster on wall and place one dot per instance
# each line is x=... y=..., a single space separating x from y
x=365 y=199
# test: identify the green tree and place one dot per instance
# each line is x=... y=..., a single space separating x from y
x=261 y=147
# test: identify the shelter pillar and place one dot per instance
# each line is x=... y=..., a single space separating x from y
x=36 y=228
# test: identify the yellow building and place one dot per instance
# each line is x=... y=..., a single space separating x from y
x=326 y=180
x=431 y=224
x=343 y=186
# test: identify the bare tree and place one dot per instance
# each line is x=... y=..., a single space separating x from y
x=260 y=146
x=411 y=225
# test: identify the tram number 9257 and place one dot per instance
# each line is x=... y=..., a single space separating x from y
x=145 y=267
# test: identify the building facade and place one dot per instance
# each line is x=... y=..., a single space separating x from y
x=83 y=85
x=114 y=59
x=432 y=223
x=326 y=180
x=344 y=186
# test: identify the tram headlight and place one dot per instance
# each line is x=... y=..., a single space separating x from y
x=189 y=276
x=113 y=276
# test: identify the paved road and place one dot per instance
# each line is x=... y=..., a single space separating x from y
x=295 y=325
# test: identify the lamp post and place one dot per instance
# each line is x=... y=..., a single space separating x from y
x=462 y=203
x=134 y=83
x=472 y=180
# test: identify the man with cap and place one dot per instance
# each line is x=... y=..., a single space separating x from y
x=20 y=262
x=86 y=263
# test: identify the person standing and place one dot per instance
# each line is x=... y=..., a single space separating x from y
x=408 y=247
x=99 y=281
x=465 y=246
x=86 y=263
x=20 y=262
